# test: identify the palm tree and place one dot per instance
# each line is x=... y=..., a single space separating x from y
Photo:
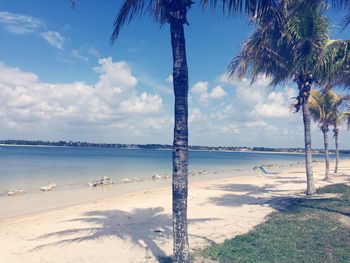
x=289 y=47
x=174 y=13
x=322 y=108
x=336 y=72
x=339 y=118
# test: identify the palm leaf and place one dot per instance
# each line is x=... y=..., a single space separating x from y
x=132 y=8
x=284 y=49
x=256 y=9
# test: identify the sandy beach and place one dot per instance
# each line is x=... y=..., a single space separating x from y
x=137 y=227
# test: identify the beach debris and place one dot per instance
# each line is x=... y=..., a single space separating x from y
x=158 y=230
x=14 y=192
x=263 y=169
x=142 y=243
x=126 y=180
x=194 y=173
x=105 y=180
x=156 y=177
x=132 y=180
x=137 y=179
x=48 y=187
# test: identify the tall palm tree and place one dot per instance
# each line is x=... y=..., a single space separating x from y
x=322 y=108
x=336 y=72
x=289 y=48
x=338 y=118
x=174 y=13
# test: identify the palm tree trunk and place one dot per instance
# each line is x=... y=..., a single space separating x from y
x=325 y=139
x=180 y=144
x=308 y=155
x=336 y=132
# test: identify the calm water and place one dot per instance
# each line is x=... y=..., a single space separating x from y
x=71 y=168
x=31 y=167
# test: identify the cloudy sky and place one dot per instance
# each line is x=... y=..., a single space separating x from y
x=61 y=79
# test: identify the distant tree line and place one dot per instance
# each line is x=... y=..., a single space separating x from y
x=159 y=146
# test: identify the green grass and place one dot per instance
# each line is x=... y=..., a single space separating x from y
x=307 y=230
x=333 y=188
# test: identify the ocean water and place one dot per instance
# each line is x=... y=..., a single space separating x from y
x=31 y=167
x=71 y=168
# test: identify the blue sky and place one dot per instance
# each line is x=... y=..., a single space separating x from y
x=61 y=79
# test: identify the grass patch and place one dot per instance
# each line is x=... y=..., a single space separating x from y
x=333 y=189
x=307 y=230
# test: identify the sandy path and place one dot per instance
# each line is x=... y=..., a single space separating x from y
x=137 y=227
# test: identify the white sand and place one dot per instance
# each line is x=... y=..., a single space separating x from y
x=121 y=228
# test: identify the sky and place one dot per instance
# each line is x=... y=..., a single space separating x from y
x=61 y=79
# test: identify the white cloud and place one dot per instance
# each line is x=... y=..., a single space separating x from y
x=54 y=39
x=77 y=54
x=275 y=106
x=152 y=82
x=229 y=129
x=142 y=104
x=20 y=24
x=256 y=124
x=200 y=88
x=251 y=93
x=169 y=78
x=14 y=76
x=200 y=91
x=259 y=100
x=25 y=100
x=158 y=123
x=114 y=72
x=224 y=112
x=93 y=51
x=217 y=93
x=196 y=116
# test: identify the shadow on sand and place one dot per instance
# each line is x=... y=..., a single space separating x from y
x=247 y=194
x=141 y=226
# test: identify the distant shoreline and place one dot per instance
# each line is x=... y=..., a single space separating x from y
x=24 y=143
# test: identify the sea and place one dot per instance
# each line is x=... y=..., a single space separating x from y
x=72 y=168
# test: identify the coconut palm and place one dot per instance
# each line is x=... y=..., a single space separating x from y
x=336 y=72
x=289 y=48
x=174 y=13
x=322 y=108
x=338 y=118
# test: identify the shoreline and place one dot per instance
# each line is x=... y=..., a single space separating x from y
x=116 y=195
x=82 y=194
x=141 y=221
x=157 y=149
x=138 y=192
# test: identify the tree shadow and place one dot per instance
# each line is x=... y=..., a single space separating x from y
x=250 y=188
x=141 y=226
x=323 y=204
x=246 y=194
x=292 y=181
x=237 y=200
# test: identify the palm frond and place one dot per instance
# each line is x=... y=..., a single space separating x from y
x=335 y=70
x=283 y=51
x=315 y=106
x=325 y=108
x=132 y=8
x=255 y=9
